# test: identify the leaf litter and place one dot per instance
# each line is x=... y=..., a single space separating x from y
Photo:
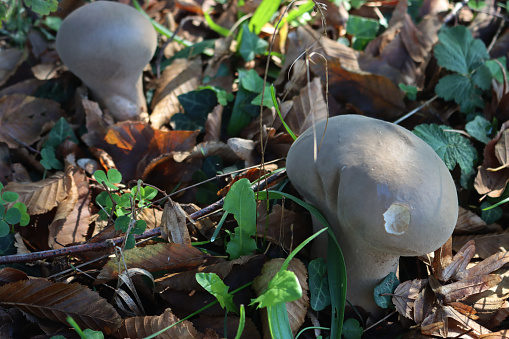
x=185 y=141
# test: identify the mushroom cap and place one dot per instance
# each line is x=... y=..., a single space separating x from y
x=112 y=37
x=107 y=45
x=377 y=184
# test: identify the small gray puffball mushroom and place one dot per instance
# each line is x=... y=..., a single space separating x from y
x=107 y=45
x=384 y=192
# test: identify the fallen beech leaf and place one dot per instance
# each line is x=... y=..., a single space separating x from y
x=24 y=118
x=173 y=224
x=42 y=196
x=10 y=60
x=468 y=222
x=9 y=275
x=503 y=334
x=463 y=288
x=71 y=222
x=134 y=145
x=405 y=295
x=56 y=301
x=213 y=124
x=308 y=108
x=95 y=121
x=464 y=309
x=154 y=258
x=465 y=321
x=296 y=309
x=139 y=327
x=182 y=76
x=485 y=244
x=488 y=265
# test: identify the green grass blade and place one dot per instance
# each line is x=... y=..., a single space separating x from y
x=288 y=129
x=242 y=322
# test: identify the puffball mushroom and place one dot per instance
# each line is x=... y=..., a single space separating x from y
x=107 y=45
x=384 y=192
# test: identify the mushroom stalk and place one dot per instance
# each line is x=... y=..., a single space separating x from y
x=384 y=192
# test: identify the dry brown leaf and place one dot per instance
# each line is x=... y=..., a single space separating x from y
x=152 y=216
x=503 y=334
x=308 y=108
x=463 y=288
x=24 y=118
x=10 y=60
x=464 y=309
x=405 y=295
x=9 y=275
x=213 y=124
x=57 y=301
x=464 y=321
x=283 y=227
x=487 y=266
x=296 y=309
x=174 y=224
x=42 y=196
x=485 y=244
x=182 y=76
x=72 y=217
x=140 y=327
x=154 y=258
x=96 y=122
x=468 y=222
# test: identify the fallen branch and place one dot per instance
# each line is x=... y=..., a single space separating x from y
x=110 y=243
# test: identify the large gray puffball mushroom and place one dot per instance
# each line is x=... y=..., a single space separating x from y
x=107 y=45
x=383 y=190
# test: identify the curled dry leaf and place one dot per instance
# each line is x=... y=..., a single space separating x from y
x=9 y=275
x=154 y=258
x=72 y=217
x=405 y=295
x=174 y=224
x=182 y=76
x=56 y=301
x=23 y=118
x=485 y=244
x=10 y=60
x=140 y=327
x=42 y=196
x=296 y=309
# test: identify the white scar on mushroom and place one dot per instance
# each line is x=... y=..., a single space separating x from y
x=397 y=219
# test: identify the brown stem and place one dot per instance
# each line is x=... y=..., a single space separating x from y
x=17 y=258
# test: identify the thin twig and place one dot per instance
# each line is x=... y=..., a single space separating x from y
x=110 y=243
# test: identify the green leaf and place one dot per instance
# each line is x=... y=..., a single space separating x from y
x=318 y=284
x=361 y=27
x=250 y=80
x=42 y=7
x=49 y=160
x=482 y=78
x=242 y=322
x=410 y=91
x=387 y=286
x=479 y=128
x=460 y=89
x=215 y=286
x=122 y=223
x=139 y=227
x=458 y=51
x=114 y=176
x=198 y=104
x=10 y=196
x=267 y=99
x=496 y=71
x=12 y=216
x=492 y=215
x=263 y=14
x=284 y=287
x=352 y=329
x=251 y=44
x=241 y=203
x=130 y=242
x=451 y=147
x=59 y=133
x=5 y=229
x=279 y=325
x=25 y=218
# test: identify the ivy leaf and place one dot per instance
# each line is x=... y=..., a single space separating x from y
x=49 y=160
x=42 y=7
x=59 y=133
x=318 y=284
x=361 y=27
x=479 y=128
x=284 y=287
x=251 y=44
x=451 y=147
x=387 y=286
x=215 y=286
x=198 y=104
x=458 y=51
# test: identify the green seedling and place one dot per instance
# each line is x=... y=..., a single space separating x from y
x=16 y=214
